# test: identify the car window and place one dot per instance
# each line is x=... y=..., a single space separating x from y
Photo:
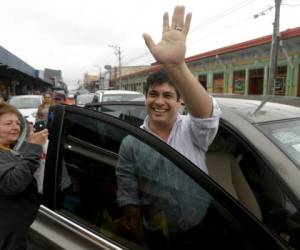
x=83 y=99
x=286 y=135
x=25 y=102
x=254 y=183
x=104 y=168
x=131 y=112
x=120 y=97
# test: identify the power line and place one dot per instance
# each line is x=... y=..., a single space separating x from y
x=264 y=12
x=211 y=20
x=205 y=23
x=222 y=14
x=290 y=5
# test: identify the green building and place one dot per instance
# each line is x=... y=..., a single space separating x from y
x=240 y=68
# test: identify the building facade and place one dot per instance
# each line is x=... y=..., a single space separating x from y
x=241 y=68
x=17 y=77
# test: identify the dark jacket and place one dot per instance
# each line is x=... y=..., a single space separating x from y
x=19 y=199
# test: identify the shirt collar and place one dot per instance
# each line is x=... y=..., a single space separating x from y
x=145 y=125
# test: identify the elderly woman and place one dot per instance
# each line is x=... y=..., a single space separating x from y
x=19 y=199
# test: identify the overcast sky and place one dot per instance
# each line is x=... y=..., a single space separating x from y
x=74 y=35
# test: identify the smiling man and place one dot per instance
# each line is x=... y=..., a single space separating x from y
x=149 y=185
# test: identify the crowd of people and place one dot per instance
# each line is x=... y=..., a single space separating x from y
x=165 y=90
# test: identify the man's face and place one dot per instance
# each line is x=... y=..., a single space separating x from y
x=58 y=100
x=162 y=105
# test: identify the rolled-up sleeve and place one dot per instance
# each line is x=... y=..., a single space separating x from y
x=204 y=130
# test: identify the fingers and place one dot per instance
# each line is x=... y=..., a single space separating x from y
x=39 y=137
x=186 y=26
x=42 y=132
x=174 y=17
x=166 y=22
x=178 y=21
x=149 y=42
x=178 y=17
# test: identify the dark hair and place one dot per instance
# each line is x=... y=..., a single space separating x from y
x=6 y=108
x=158 y=78
x=59 y=96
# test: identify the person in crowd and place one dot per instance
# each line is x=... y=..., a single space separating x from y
x=43 y=109
x=59 y=98
x=19 y=198
x=149 y=187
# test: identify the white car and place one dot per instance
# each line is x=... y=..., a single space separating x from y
x=117 y=95
x=27 y=105
x=83 y=99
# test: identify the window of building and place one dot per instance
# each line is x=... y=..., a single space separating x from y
x=239 y=82
x=218 y=83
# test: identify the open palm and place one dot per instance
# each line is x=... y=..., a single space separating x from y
x=171 y=49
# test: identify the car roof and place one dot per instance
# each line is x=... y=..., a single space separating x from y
x=86 y=94
x=117 y=92
x=256 y=111
x=26 y=96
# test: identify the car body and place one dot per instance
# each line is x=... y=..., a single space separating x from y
x=117 y=95
x=83 y=99
x=27 y=105
x=253 y=176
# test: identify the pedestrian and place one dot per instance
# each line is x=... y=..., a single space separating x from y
x=59 y=98
x=19 y=198
x=43 y=109
x=149 y=186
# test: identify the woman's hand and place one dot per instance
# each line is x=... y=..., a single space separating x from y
x=38 y=137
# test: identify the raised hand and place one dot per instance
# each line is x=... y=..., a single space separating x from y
x=171 y=49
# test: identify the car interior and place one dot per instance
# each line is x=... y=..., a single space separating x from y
x=246 y=176
x=86 y=190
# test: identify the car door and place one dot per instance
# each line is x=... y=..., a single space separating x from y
x=81 y=197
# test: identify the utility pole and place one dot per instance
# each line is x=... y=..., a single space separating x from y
x=118 y=54
x=274 y=51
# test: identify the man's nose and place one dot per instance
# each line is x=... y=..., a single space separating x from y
x=159 y=99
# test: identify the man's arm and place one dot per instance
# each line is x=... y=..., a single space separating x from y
x=170 y=52
x=128 y=190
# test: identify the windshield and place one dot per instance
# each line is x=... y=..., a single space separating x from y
x=120 y=97
x=83 y=99
x=25 y=102
x=286 y=135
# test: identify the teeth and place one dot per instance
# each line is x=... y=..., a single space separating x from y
x=159 y=110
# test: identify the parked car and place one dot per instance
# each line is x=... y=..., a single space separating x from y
x=117 y=95
x=83 y=99
x=27 y=105
x=253 y=180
